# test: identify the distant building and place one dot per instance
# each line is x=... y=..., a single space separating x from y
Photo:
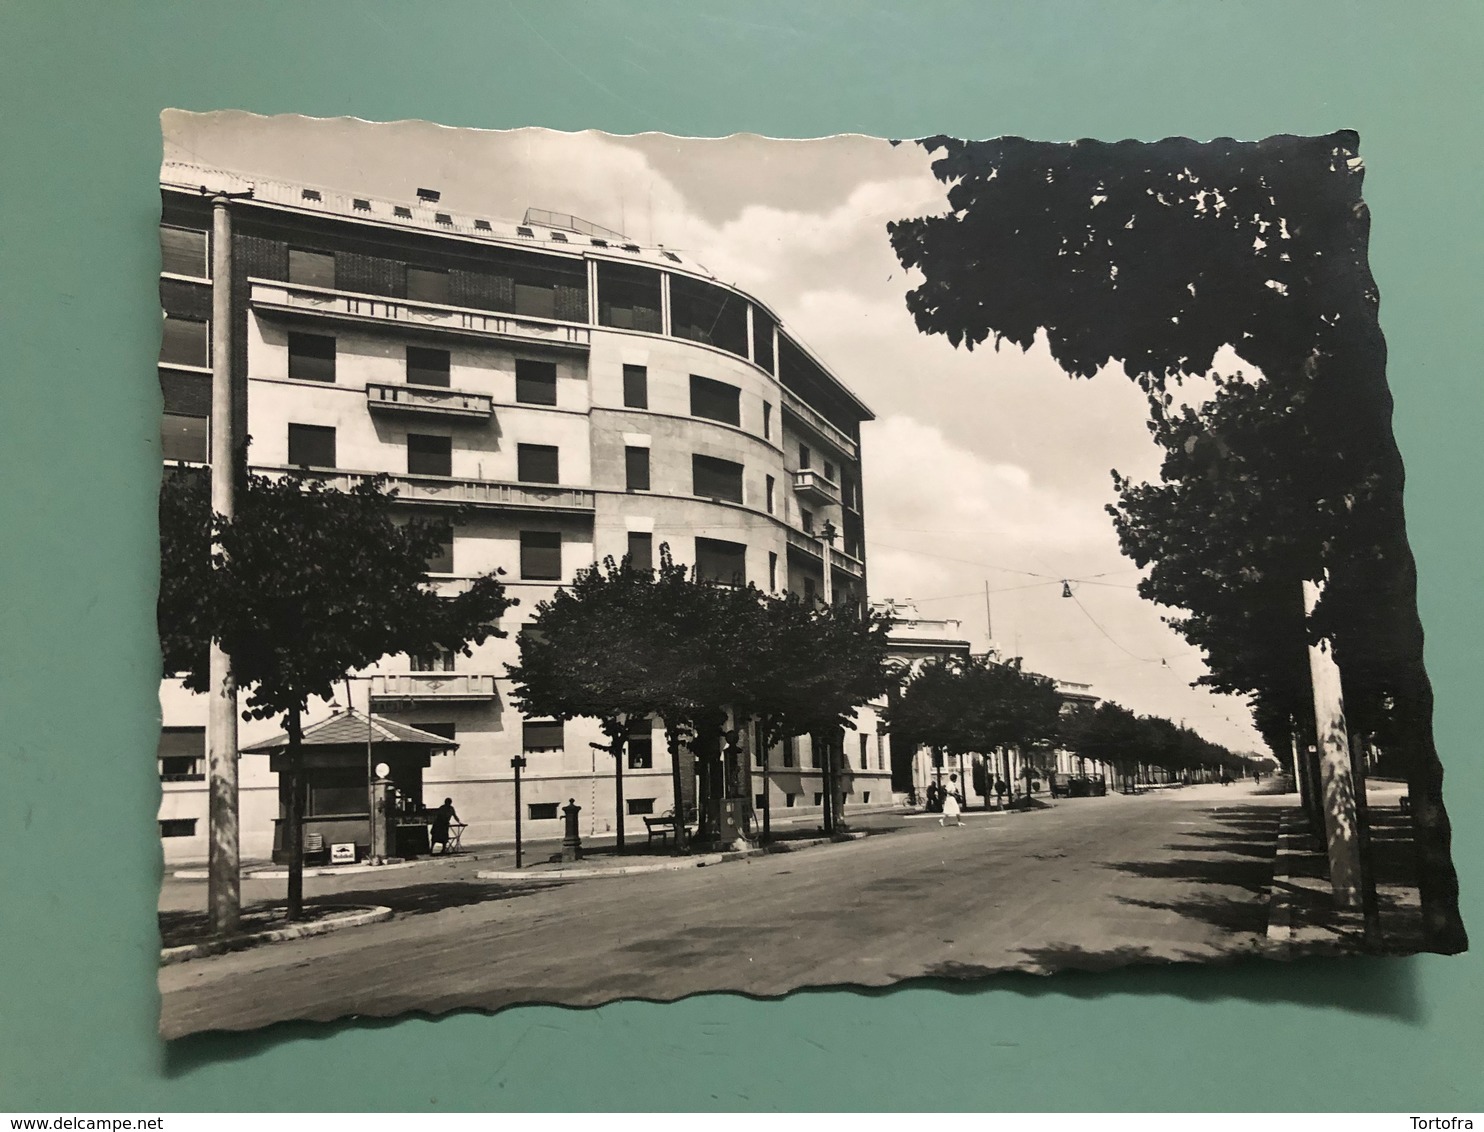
x=586 y=395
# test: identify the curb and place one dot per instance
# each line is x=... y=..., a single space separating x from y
x=352 y=919
x=1280 y=936
x=660 y=867
x=319 y=870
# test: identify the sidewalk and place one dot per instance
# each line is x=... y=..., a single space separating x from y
x=1303 y=919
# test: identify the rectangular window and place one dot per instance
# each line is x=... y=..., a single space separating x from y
x=816 y=748
x=542 y=735
x=718 y=561
x=439 y=660
x=628 y=297
x=818 y=798
x=804 y=457
x=771 y=488
x=183 y=251
x=704 y=312
x=429 y=455
x=767 y=420
x=716 y=479
x=311 y=357
x=335 y=791
x=424 y=286
x=639 y=806
x=641 y=744
x=757 y=801
x=866 y=798
x=806 y=517
x=177 y=827
x=427 y=367
x=535 y=300
x=788 y=800
x=635 y=387
x=829 y=471
x=313 y=269
x=184 y=438
x=185 y=342
x=541 y=556
x=636 y=468
x=762 y=340
x=865 y=753
x=715 y=400
x=790 y=751
x=182 y=754
x=537 y=463
x=880 y=751
x=641 y=550
x=441 y=561
x=311 y=446
x=542 y=811
x=809 y=590
x=535 y=382
x=772 y=570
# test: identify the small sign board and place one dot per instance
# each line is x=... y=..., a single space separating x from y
x=343 y=854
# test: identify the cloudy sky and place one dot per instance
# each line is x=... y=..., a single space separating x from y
x=980 y=467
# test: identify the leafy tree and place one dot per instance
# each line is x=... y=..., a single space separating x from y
x=961 y=707
x=621 y=644
x=591 y=650
x=1156 y=256
x=306 y=586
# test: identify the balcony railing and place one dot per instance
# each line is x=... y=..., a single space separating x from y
x=828 y=432
x=429 y=399
x=440 y=686
x=811 y=546
x=295 y=298
x=455 y=492
x=810 y=482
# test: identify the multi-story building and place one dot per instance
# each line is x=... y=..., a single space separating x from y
x=583 y=395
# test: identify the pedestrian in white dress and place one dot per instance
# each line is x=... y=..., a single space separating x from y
x=951 y=807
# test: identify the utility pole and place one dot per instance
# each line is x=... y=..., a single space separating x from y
x=224 y=878
x=988 y=618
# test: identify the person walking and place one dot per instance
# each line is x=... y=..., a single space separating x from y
x=952 y=805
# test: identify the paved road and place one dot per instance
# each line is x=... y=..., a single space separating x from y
x=1092 y=883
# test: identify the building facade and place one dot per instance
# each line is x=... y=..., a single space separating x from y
x=581 y=395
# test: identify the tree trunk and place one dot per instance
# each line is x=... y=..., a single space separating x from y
x=672 y=744
x=293 y=834
x=763 y=738
x=1437 y=881
x=616 y=742
x=1338 y=787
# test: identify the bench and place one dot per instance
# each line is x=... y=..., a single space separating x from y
x=664 y=826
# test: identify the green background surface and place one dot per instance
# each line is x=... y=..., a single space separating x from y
x=80 y=89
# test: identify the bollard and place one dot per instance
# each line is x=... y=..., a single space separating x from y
x=571 y=841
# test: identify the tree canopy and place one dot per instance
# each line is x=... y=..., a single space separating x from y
x=304 y=587
x=621 y=643
x=1155 y=256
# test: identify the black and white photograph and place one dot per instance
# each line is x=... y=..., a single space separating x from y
x=605 y=567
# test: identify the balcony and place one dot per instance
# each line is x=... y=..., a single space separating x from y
x=441 y=687
x=810 y=484
x=812 y=546
x=455 y=492
x=812 y=419
x=344 y=306
x=430 y=400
